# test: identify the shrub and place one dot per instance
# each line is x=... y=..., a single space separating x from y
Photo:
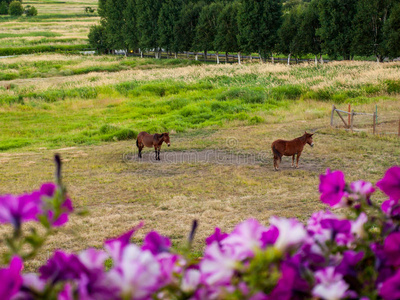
x=30 y=11
x=331 y=257
x=15 y=8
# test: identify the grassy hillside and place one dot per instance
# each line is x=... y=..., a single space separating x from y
x=58 y=23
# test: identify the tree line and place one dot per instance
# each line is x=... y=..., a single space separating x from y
x=338 y=28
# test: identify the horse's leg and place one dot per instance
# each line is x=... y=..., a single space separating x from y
x=159 y=148
x=274 y=162
x=297 y=163
x=293 y=160
x=155 y=150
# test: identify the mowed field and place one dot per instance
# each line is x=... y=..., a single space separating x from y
x=222 y=120
x=57 y=23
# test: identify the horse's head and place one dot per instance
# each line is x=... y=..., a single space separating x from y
x=165 y=138
x=309 y=139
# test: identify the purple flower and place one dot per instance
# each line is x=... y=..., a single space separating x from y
x=349 y=261
x=66 y=293
x=270 y=236
x=390 y=183
x=289 y=284
x=18 y=209
x=390 y=289
x=332 y=188
x=391 y=207
x=330 y=286
x=391 y=248
x=10 y=279
x=49 y=206
x=340 y=230
x=62 y=266
x=291 y=233
x=217 y=236
x=116 y=246
x=156 y=243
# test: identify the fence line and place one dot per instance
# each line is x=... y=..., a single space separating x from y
x=383 y=125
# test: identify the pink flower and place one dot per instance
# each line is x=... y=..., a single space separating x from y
x=390 y=183
x=245 y=239
x=291 y=233
x=332 y=188
x=357 y=226
x=190 y=280
x=93 y=259
x=217 y=266
x=137 y=274
x=331 y=285
x=116 y=246
x=362 y=189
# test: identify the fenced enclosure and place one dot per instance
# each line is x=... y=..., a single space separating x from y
x=371 y=122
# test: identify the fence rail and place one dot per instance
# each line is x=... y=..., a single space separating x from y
x=370 y=121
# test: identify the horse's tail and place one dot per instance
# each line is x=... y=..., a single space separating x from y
x=137 y=142
x=276 y=152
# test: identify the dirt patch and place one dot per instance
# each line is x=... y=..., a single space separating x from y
x=199 y=157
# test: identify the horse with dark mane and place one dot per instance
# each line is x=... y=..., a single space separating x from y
x=290 y=148
x=152 y=140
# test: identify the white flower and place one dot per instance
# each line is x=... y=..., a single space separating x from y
x=357 y=226
x=291 y=233
x=331 y=285
x=190 y=280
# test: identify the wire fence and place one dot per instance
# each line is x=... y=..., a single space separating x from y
x=368 y=122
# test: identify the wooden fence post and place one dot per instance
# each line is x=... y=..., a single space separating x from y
x=399 y=127
x=352 y=119
x=373 y=131
x=348 y=119
x=333 y=111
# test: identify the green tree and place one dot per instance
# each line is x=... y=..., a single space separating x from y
x=15 y=8
x=259 y=22
x=115 y=23
x=97 y=38
x=184 y=30
x=309 y=41
x=130 y=33
x=206 y=27
x=369 y=22
x=226 y=39
x=288 y=34
x=392 y=32
x=167 y=19
x=3 y=8
x=336 y=32
x=147 y=13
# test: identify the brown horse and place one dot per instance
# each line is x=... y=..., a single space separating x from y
x=290 y=148
x=152 y=140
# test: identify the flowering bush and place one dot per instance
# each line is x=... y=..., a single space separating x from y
x=331 y=257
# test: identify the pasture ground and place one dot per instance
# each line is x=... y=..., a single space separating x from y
x=217 y=176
